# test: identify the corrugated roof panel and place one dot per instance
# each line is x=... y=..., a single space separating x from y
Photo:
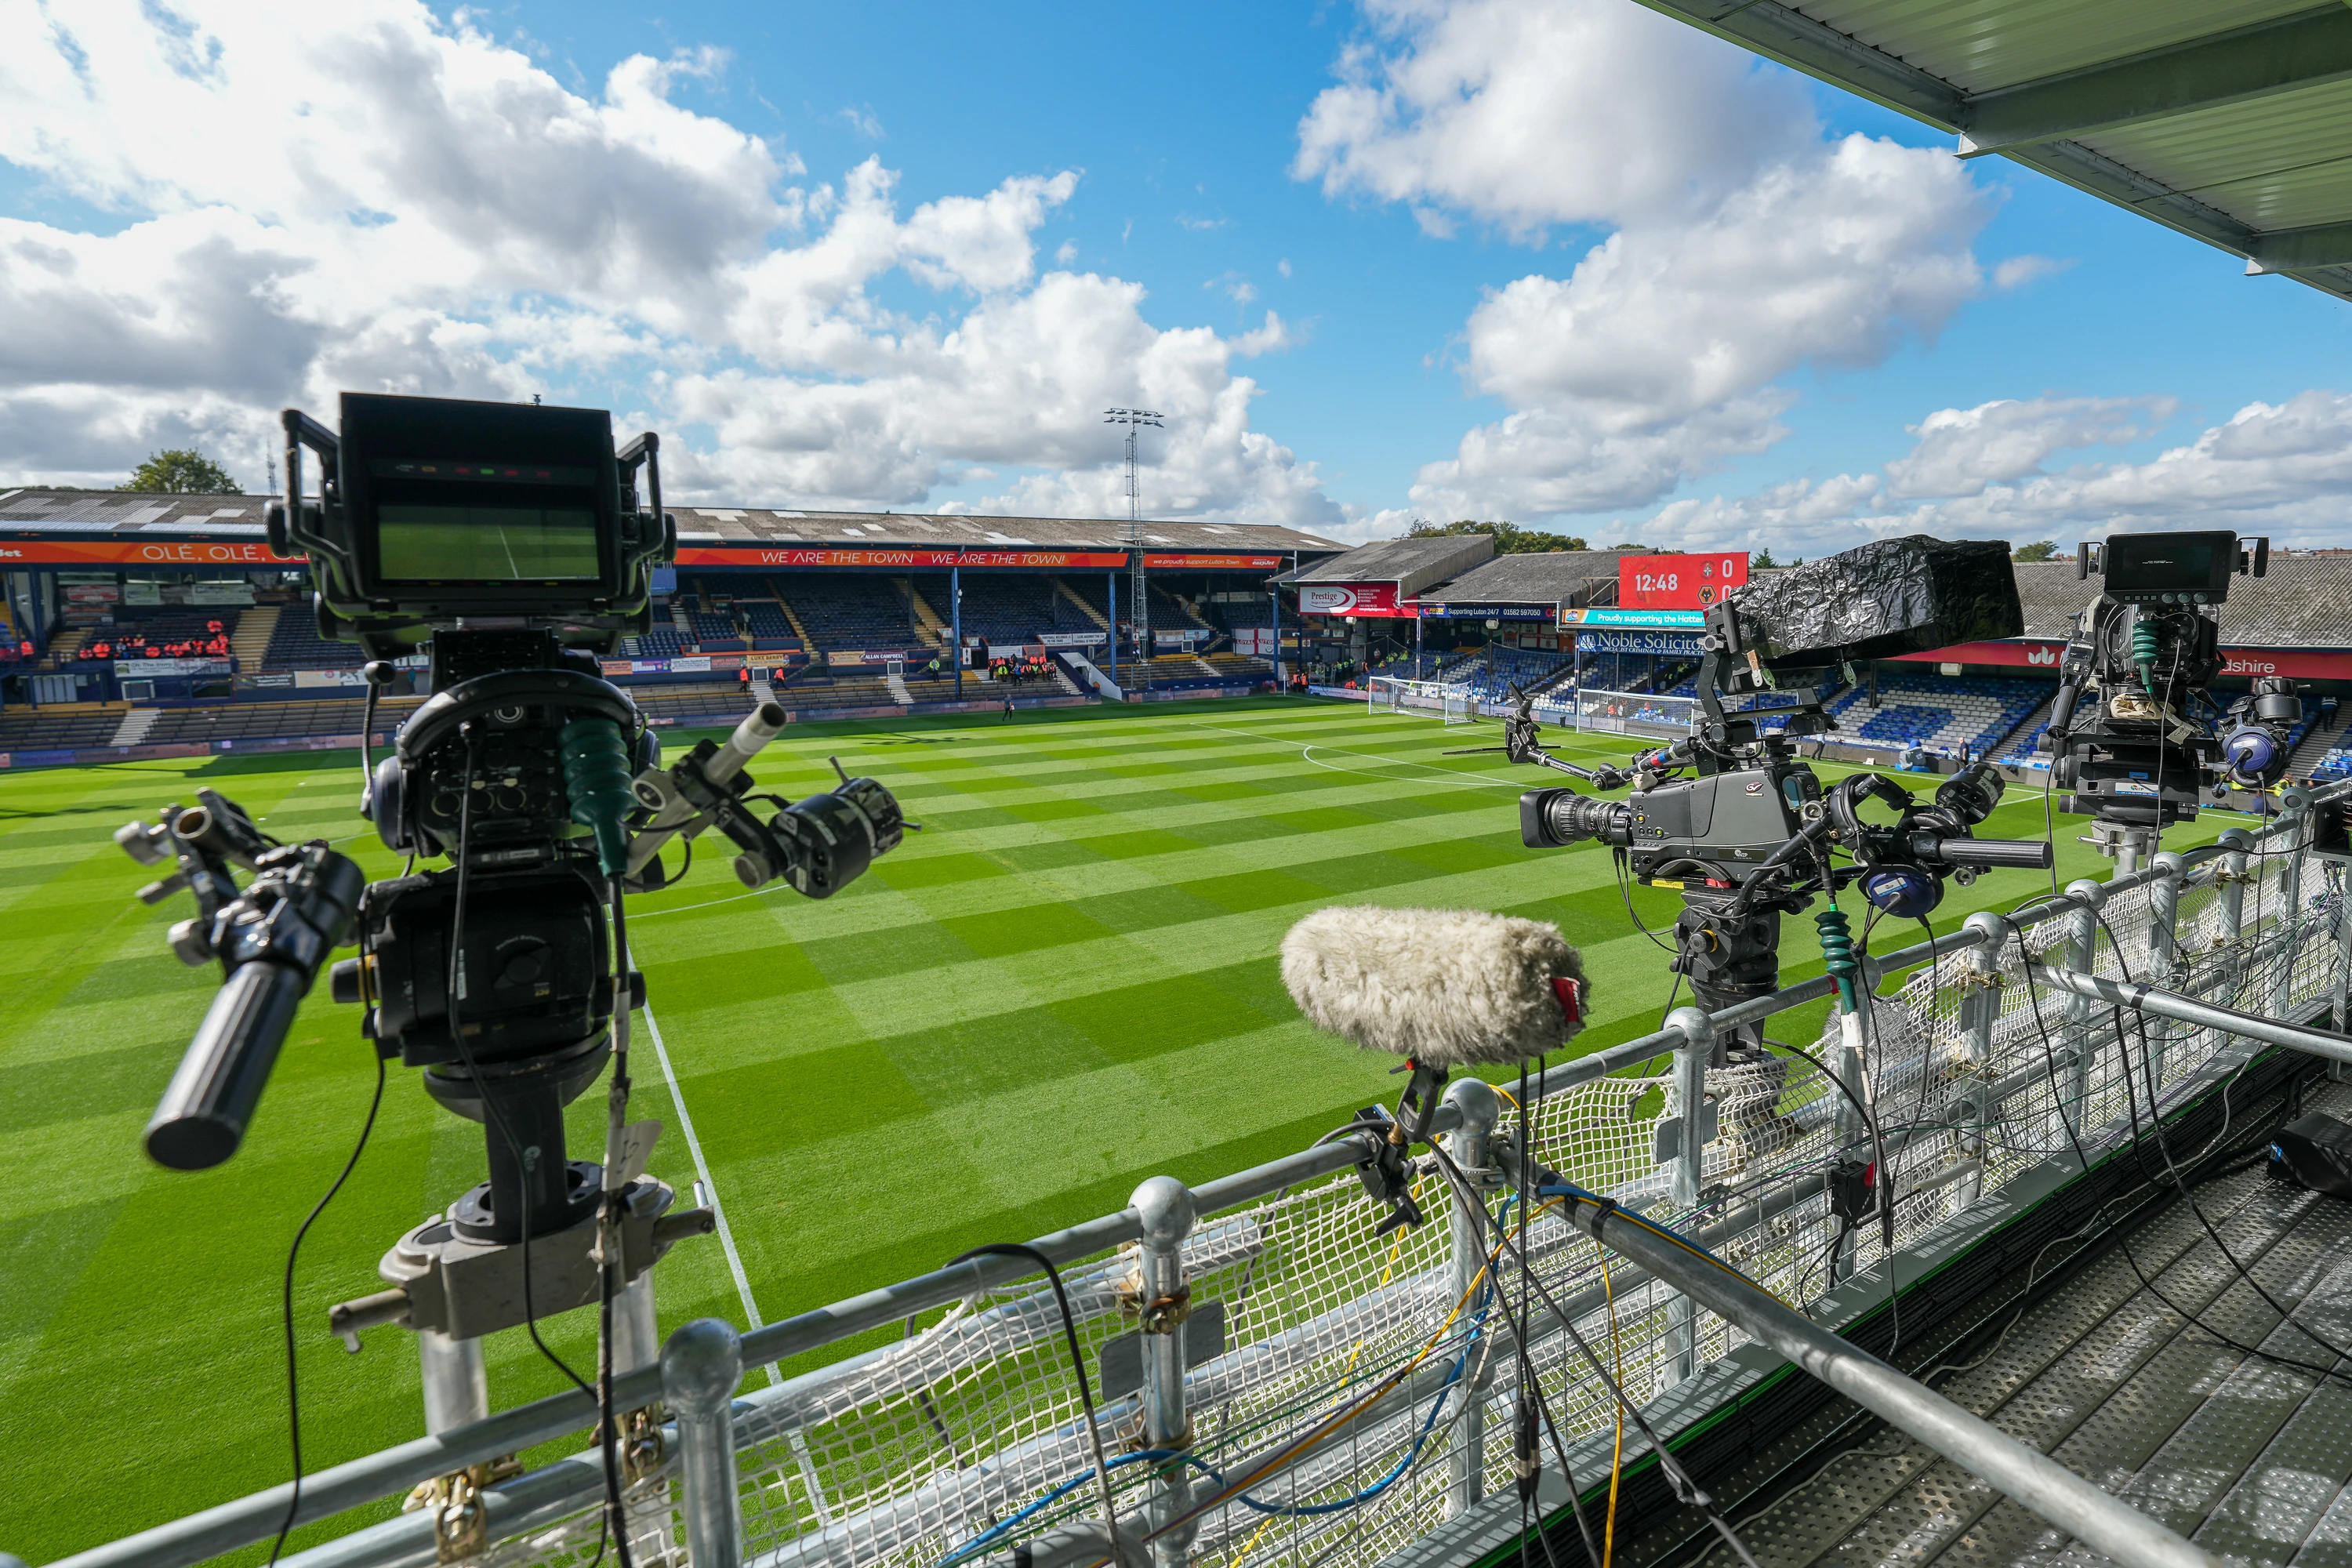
x=1980 y=45
x=2274 y=163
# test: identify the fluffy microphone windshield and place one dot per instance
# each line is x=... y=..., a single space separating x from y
x=1446 y=987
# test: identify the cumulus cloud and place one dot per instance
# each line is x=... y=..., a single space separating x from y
x=1960 y=451
x=362 y=196
x=1745 y=244
x=2283 y=469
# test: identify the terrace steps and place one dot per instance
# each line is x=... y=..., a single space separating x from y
x=1072 y=595
x=251 y=640
x=928 y=624
x=799 y=630
x=2322 y=739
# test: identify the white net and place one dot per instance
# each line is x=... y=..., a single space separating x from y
x=1362 y=1376
x=1396 y=694
x=1620 y=712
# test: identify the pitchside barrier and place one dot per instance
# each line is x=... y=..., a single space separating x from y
x=1346 y=1393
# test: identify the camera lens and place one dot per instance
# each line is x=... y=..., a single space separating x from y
x=1549 y=818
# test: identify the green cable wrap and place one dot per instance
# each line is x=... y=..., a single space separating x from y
x=2144 y=652
x=596 y=776
x=1837 y=954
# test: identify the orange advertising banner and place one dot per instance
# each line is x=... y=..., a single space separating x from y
x=139 y=552
x=818 y=555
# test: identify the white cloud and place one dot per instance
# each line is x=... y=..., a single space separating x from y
x=361 y=197
x=1066 y=253
x=1962 y=451
x=2283 y=469
x=1746 y=245
x=2018 y=271
x=864 y=123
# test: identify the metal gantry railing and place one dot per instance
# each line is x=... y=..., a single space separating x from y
x=1278 y=1380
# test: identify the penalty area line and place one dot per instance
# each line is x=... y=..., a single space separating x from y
x=1306 y=754
x=718 y=1209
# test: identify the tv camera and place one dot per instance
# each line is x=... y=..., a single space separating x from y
x=1736 y=821
x=2126 y=741
x=510 y=545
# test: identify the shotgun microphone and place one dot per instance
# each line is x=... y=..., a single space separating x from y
x=1442 y=988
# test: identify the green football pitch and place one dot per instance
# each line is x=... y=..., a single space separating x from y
x=1065 y=984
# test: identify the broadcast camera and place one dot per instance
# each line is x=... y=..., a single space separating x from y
x=512 y=544
x=1739 y=824
x=2125 y=740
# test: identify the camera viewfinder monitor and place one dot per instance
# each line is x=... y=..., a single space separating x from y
x=2181 y=568
x=489 y=507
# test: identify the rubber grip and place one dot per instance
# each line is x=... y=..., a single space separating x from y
x=203 y=1114
x=2029 y=854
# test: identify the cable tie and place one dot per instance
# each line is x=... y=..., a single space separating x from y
x=1602 y=1209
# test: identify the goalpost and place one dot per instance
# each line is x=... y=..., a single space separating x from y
x=1398 y=694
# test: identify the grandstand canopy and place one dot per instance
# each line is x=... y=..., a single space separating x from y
x=2230 y=121
x=1551 y=581
x=40 y=526
x=1410 y=564
x=2304 y=602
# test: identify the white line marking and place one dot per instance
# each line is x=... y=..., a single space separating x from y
x=694 y=1145
x=1452 y=775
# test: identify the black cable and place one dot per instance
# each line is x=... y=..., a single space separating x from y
x=1687 y=1490
x=490 y=1110
x=1530 y=1385
x=286 y=1298
x=623 y=996
x=1078 y=1366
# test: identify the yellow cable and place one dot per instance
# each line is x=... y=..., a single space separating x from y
x=1617 y=1447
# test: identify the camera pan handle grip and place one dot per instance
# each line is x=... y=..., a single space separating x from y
x=2026 y=854
x=202 y=1115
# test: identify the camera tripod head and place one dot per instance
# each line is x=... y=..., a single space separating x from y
x=2127 y=739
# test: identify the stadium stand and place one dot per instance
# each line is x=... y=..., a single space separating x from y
x=61 y=725
x=1011 y=609
x=1491 y=681
x=715 y=632
x=295 y=644
x=849 y=612
x=1940 y=714
x=768 y=627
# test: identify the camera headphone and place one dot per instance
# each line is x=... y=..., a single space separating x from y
x=503 y=698
x=2254 y=752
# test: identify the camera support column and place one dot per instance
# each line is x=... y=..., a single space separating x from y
x=2083 y=957
x=701 y=1366
x=1981 y=983
x=2286 y=936
x=457 y=1382
x=2231 y=879
x=1480 y=1107
x=1165 y=1207
x=1691 y=1058
x=2163 y=951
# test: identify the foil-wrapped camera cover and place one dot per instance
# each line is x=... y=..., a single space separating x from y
x=1890 y=596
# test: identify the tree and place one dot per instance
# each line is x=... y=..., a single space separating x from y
x=1763 y=560
x=181 y=471
x=1509 y=538
x=2047 y=550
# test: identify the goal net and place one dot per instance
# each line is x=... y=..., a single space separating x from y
x=1400 y=694
x=1620 y=712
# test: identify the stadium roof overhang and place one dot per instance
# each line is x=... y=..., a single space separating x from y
x=1549 y=581
x=53 y=529
x=1409 y=565
x=2228 y=120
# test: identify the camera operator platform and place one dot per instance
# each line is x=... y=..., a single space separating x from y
x=512 y=542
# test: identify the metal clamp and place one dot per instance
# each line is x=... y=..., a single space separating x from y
x=461 y=1526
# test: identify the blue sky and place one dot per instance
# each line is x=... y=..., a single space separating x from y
x=1376 y=217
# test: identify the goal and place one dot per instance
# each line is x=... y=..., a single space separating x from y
x=1398 y=694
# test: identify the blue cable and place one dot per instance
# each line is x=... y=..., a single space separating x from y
x=997 y=1531
x=1568 y=1190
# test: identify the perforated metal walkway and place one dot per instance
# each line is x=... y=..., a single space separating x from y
x=2248 y=1457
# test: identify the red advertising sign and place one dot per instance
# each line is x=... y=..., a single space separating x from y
x=821 y=555
x=1375 y=599
x=1678 y=582
x=2037 y=655
x=1214 y=563
x=139 y=553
